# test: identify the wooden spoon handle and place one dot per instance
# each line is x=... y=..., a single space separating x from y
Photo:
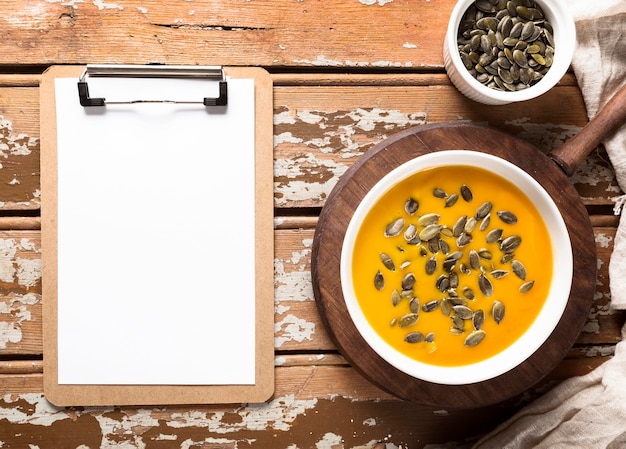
x=571 y=154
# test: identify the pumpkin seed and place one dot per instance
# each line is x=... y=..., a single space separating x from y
x=485 y=285
x=459 y=226
x=451 y=200
x=414 y=305
x=463 y=312
x=478 y=319
x=414 y=337
x=408 y=320
x=428 y=219
x=439 y=193
x=466 y=193
x=430 y=305
x=387 y=262
x=468 y=293
x=483 y=210
x=474 y=259
x=379 y=281
x=510 y=244
x=494 y=235
x=507 y=216
x=410 y=233
x=519 y=269
x=395 y=297
x=445 y=307
x=464 y=239
x=526 y=286
x=408 y=281
x=430 y=231
x=431 y=265
x=411 y=206
x=395 y=227
x=470 y=225
x=497 y=311
x=474 y=338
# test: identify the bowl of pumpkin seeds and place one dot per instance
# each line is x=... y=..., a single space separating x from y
x=504 y=51
x=456 y=272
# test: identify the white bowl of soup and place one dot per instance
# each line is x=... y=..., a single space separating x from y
x=456 y=267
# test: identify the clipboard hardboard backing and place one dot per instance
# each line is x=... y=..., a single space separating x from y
x=100 y=394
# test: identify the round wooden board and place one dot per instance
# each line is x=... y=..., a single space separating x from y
x=347 y=195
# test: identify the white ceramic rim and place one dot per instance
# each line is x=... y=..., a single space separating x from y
x=556 y=12
x=548 y=317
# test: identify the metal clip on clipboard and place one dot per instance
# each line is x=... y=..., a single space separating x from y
x=152 y=71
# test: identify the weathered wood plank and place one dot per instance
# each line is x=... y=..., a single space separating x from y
x=297 y=323
x=319 y=133
x=229 y=32
x=315 y=404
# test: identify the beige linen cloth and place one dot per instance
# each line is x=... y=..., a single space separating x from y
x=589 y=411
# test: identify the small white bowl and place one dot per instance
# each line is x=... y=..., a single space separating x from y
x=539 y=330
x=557 y=13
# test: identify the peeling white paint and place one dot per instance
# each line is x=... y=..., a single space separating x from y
x=45 y=413
x=292 y=278
x=546 y=136
x=278 y=414
x=603 y=240
x=28 y=245
x=297 y=175
x=373 y=2
x=329 y=441
x=26 y=270
x=281 y=309
x=162 y=437
x=409 y=45
x=14 y=144
x=8 y=249
x=72 y=3
x=279 y=361
x=599 y=351
x=322 y=61
x=101 y=4
x=592 y=174
x=14 y=311
x=292 y=328
x=371 y=422
x=142 y=9
x=297 y=169
x=112 y=429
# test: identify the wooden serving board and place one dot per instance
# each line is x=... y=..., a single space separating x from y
x=352 y=188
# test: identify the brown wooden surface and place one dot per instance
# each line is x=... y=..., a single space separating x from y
x=346 y=76
x=363 y=176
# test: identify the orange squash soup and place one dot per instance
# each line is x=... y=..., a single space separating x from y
x=452 y=265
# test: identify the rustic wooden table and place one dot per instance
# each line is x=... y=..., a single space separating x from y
x=346 y=75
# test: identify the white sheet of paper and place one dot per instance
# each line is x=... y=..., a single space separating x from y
x=156 y=234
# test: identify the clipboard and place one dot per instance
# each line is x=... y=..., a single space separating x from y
x=61 y=271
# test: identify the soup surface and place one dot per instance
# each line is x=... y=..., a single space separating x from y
x=452 y=265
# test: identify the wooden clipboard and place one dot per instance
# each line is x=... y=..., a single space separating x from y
x=163 y=394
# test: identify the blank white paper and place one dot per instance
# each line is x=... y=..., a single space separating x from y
x=156 y=235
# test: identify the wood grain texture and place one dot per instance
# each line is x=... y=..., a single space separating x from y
x=346 y=76
x=319 y=132
x=270 y=33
